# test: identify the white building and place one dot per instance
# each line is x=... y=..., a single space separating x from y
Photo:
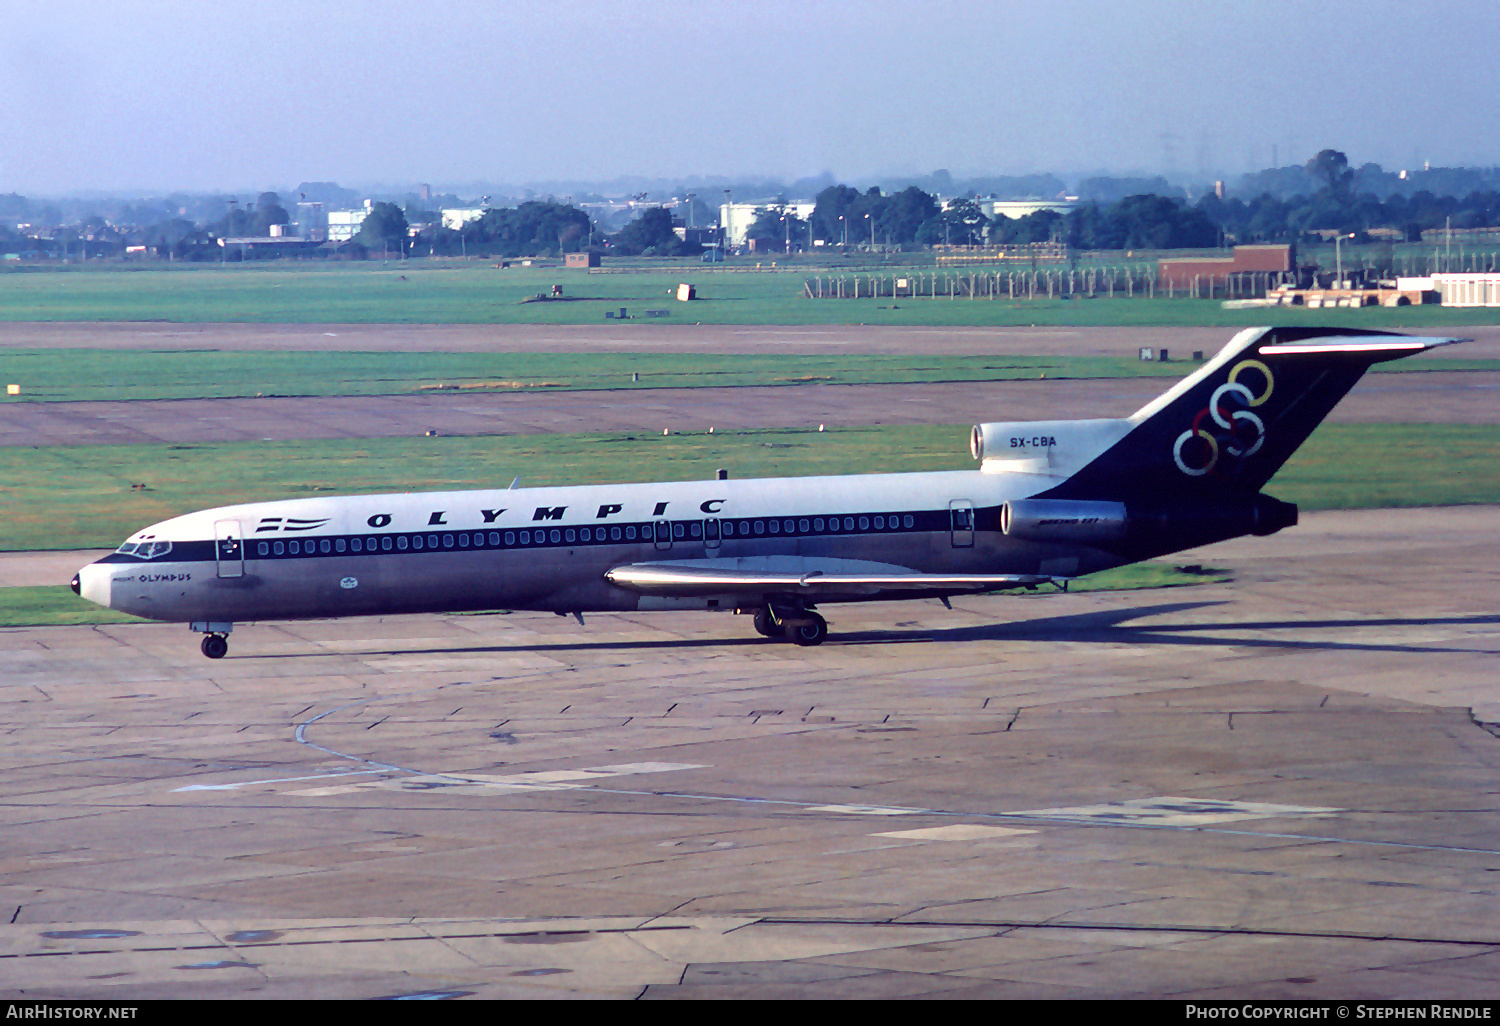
x=1017 y=209
x=1468 y=289
x=736 y=218
x=455 y=219
x=343 y=225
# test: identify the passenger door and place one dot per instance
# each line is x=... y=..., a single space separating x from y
x=961 y=522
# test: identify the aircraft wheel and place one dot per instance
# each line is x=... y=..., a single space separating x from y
x=215 y=646
x=764 y=626
x=812 y=632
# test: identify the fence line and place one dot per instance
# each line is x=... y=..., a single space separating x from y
x=1053 y=283
x=953 y=284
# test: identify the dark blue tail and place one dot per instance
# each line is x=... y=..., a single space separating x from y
x=1225 y=430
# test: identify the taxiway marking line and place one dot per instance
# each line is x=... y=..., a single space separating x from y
x=273 y=780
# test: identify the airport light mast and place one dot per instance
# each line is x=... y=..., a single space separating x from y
x=1338 y=258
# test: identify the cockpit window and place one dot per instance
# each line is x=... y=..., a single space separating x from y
x=145 y=549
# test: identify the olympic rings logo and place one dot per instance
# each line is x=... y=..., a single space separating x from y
x=1226 y=427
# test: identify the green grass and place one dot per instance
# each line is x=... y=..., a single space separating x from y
x=82 y=496
x=54 y=375
x=65 y=375
x=1385 y=466
x=429 y=292
x=1159 y=573
x=54 y=606
x=59 y=497
x=85 y=497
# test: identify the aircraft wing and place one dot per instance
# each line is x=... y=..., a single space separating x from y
x=818 y=579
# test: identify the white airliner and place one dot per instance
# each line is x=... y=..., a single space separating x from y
x=1049 y=501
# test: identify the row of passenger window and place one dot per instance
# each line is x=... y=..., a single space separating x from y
x=692 y=530
x=817 y=525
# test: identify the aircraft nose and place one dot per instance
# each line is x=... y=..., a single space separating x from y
x=93 y=582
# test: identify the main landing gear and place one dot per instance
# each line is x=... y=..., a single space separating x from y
x=799 y=626
x=215 y=642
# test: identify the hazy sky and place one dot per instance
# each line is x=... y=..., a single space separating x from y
x=201 y=95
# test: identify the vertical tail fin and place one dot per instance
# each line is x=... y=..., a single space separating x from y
x=1228 y=427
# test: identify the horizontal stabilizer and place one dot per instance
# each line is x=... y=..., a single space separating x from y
x=1395 y=345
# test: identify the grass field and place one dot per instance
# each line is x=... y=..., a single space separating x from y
x=62 y=497
x=53 y=606
x=59 y=375
x=92 y=497
x=423 y=292
x=82 y=496
x=53 y=375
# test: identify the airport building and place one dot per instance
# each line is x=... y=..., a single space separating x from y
x=343 y=225
x=455 y=218
x=266 y=247
x=1275 y=262
x=1017 y=209
x=736 y=218
x=1468 y=289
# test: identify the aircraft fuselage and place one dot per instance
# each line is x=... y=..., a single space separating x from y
x=549 y=548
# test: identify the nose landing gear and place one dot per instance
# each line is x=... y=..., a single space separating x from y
x=216 y=638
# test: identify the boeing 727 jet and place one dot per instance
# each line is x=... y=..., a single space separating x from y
x=1049 y=501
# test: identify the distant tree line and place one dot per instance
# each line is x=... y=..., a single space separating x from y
x=912 y=218
x=1159 y=222
x=1280 y=205
x=1339 y=205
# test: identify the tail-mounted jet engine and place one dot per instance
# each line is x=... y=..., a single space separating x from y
x=1103 y=524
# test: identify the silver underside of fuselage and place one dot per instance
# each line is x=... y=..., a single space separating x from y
x=552 y=578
